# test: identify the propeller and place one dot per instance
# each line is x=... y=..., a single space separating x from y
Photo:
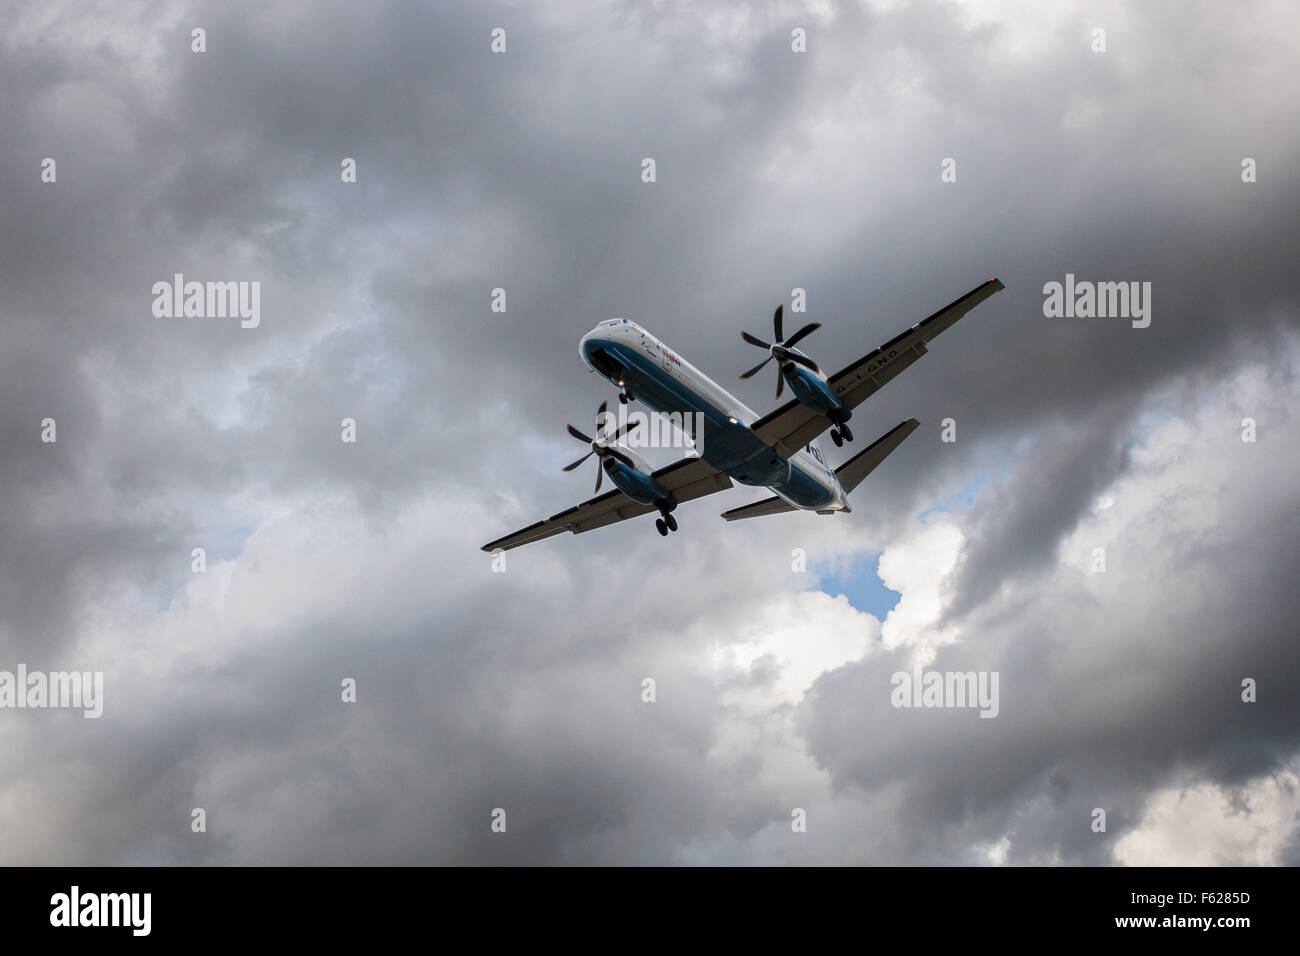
x=601 y=445
x=782 y=350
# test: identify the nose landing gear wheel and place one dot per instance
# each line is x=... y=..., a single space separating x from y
x=835 y=437
x=663 y=528
x=671 y=522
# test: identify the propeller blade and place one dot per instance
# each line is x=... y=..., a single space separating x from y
x=802 y=360
x=757 y=367
x=600 y=416
x=600 y=474
x=577 y=434
x=780 y=382
x=623 y=431
x=619 y=456
x=754 y=340
x=776 y=322
x=810 y=327
x=578 y=462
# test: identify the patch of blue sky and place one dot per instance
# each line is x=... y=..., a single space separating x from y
x=222 y=543
x=857 y=578
x=963 y=498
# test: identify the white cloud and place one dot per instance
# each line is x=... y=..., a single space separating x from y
x=1203 y=824
x=917 y=567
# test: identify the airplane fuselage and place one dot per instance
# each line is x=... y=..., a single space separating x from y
x=638 y=363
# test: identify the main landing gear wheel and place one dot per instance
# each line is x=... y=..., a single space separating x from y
x=663 y=528
x=845 y=433
x=624 y=397
x=835 y=437
x=671 y=522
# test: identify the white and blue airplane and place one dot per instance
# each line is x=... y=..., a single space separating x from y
x=777 y=451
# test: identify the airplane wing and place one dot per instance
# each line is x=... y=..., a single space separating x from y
x=794 y=424
x=686 y=479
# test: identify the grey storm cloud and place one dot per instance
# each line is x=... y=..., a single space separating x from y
x=521 y=170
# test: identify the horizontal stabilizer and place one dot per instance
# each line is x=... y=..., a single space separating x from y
x=864 y=462
x=850 y=474
x=768 y=506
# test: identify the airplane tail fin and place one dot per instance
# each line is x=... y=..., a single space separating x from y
x=853 y=471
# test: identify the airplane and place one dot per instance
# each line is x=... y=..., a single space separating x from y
x=778 y=451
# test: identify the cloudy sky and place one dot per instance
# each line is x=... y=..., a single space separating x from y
x=521 y=170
